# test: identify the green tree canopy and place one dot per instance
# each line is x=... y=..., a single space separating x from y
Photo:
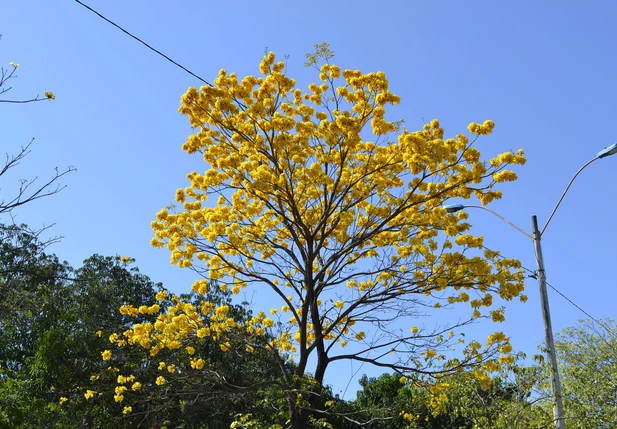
x=587 y=358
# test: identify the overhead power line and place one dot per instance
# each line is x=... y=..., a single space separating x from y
x=610 y=331
x=144 y=43
x=532 y=274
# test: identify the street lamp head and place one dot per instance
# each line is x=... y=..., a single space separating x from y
x=607 y=151
x=453 y=208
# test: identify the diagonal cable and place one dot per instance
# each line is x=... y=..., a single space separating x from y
x=532 y=274
x=144 y=43
x=610 y=331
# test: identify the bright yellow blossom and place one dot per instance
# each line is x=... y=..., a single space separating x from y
x=197 y=363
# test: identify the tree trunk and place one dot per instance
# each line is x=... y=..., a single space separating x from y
x=299 y=418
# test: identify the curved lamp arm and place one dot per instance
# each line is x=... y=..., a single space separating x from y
x=503 y=219
x=452 y=208
x=565 y=192
x=607 y=151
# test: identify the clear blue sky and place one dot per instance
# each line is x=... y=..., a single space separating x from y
x=543 y=71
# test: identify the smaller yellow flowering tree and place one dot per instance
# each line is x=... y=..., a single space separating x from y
x=337 y=210
x=154 y=388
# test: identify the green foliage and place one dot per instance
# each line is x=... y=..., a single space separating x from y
x=48 y=319
x=519 y=397
x=587 y=358
x=56 y=320
x=322 y=52
x=510 y=402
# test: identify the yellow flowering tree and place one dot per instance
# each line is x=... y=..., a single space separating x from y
x=336 y=209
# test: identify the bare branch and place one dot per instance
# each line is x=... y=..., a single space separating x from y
x=28 y=191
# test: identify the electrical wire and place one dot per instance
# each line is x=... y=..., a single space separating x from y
x=144 y=43
x=533 y=274
x=611 y=332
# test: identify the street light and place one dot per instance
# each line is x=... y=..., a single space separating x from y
x=536 y=237
x=607 y=151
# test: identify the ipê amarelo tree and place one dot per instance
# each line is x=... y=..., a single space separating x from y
x=337 y=210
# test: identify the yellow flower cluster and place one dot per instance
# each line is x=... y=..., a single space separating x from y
x=481 y=129
x=197 y=363
x=439 y=392
x=409 y=417
x=125 y=379
x=119 y=396
x=143 y=309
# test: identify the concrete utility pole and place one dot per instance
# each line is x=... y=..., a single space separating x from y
x=560 y=423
